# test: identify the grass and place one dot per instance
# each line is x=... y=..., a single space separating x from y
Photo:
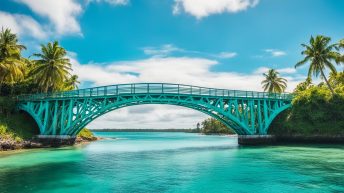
x=18 y=126
x=21 y=126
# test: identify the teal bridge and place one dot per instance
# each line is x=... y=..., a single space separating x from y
x=66 y=113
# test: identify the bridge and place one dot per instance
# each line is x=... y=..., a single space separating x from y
x=66 y=113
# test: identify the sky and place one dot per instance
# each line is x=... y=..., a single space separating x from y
x=213 y=43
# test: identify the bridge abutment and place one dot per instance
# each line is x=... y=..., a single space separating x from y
x=256 y=139
x=55 y=140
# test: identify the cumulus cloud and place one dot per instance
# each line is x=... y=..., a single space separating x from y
x=159 y=116
x=62 y=13
x=183 y=70
x=275 y=53
x=22 y=25
x=204 y=8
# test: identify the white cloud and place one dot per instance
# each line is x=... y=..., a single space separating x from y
x=226 y=54
x=22 y=25
x=204 y=8
x=168 y=49
x=162 y=51
x=275 y=53
x=61 y=13
x=183 y=70
x=261 y=70
x=287 y=70
x=158 y=116
x=112 y=2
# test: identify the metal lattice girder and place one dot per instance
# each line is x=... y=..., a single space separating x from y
x=66 y=113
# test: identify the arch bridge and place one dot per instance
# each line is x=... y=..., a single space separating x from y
x=66 y=113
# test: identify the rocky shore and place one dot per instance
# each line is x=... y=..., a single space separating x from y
x=10 y=144
x=6 y=144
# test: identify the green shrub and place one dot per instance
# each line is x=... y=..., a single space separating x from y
x=18 y=126
x=315 y=111
x=86 y=134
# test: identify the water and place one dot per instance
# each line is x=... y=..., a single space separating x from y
x=173 y=162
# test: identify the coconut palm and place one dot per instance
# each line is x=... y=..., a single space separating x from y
x=341 y=45
x=9 y=46
x=273 y=83
x=12 y=65
x=72 y=83
x=52 y=68
x=320 y=54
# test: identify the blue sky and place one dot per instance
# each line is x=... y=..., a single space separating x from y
x=218 y=43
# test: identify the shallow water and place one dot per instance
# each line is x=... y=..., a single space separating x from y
x=173 y=162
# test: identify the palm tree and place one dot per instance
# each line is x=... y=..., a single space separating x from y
x=341 y=45
x=320 y=53
x=9 y=44
x=12 y=65
x=52 y=68
x=273 y=83
x=72 y=83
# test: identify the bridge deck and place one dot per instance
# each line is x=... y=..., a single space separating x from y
x=154 y=88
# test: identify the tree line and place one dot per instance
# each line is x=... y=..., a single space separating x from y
x=213 y=126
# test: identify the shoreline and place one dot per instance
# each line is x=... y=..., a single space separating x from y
x=250 y=140
x=12 y=145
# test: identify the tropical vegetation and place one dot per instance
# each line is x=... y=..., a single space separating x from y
x=317 y=109
x=320 y=55
x=213 y=126
x=49 y=70
x=273 y=83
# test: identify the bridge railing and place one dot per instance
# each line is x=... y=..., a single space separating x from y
x=157 y=88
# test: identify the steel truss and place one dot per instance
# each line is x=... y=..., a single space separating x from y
x=66 y=113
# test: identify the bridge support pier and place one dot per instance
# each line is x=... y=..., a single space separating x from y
x=55 y=140
x=256 y=139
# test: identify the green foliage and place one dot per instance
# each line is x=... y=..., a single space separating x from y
x=71 y=83
x=304 y=85
x=213 y=126
x=7 y=105
x=86 y=134
x=11 y=63
x=315 y=111
x=320 y=54
x=52 y=68
x=273 y=83
x=17 y=127
x=50 y=72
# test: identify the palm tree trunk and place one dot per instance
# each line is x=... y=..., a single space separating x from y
x=328 y=84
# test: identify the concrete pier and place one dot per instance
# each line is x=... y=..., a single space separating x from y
x=55 y=140
x=256 y=139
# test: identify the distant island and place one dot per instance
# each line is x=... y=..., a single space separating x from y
x=146 y=130
x=209 y=126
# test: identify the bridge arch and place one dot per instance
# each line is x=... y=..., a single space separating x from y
x=214 y=113
x=66 y=113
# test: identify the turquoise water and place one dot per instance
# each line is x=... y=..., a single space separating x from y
x=173 y=162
